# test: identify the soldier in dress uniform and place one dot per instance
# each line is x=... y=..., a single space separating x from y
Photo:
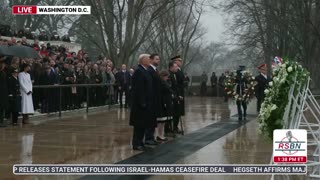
x=262 y=83
x=14 y=96
x=43 y=36
x=55 y=36
x=240 y=89
x=3 y=92
x=180 y=94
x=66 y=38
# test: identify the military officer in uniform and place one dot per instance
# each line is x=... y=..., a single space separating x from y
x=3 y=92
x=14 y=96
x=180 y=93
x=262 y=83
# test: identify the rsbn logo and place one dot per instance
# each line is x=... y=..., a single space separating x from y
x=290 y=146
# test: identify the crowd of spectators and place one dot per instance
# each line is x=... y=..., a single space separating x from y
x=58 y=66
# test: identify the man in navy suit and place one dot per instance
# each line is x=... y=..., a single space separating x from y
x=142 y=111
x=123 y=80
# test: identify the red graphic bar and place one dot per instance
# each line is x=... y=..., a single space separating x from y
x=290 y=159
x=24 y=10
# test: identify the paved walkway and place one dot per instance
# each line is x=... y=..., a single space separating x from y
x=213 y=135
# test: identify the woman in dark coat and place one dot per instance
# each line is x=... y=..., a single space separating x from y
x=14 y=96
x=166 y=109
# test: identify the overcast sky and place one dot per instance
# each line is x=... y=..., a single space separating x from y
x=212 y=21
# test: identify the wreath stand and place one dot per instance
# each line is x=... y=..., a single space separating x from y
x=303 y=112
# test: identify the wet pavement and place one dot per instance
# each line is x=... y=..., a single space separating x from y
x=104 y=138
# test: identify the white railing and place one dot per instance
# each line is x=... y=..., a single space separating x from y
x=303 y=112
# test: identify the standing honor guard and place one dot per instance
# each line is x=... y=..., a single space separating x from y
x=3 y=92
x=14 y=96
x=240 y=88
x=262 y=83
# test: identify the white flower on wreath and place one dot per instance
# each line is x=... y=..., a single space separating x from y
x=290 y=69
x=253 y=78
x=283 y=65
x=270 y=83
x=274 y=107
x=266 y=91
x=229 y=92
x=275 y=79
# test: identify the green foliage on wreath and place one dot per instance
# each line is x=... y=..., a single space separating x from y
x=276 y=100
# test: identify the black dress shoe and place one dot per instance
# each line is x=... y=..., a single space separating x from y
x=177 y=131
x=139 y=148
x=152 y=143
x=163 y=140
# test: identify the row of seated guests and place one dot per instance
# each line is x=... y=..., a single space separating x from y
x=43 y=36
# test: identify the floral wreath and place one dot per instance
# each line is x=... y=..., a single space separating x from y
x=230 y=85
x=285 y=74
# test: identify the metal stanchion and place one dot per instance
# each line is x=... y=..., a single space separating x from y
x=60 y=99
x=88 y=99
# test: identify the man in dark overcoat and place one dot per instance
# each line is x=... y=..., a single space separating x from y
x=122 y=79
x=155 y=60
x=142 y=114
x=14 y=96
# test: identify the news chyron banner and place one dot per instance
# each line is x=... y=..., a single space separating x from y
x=290 y=146
x=158 y=169
x=40 y=10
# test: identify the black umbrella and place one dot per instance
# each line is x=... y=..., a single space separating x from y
x=4 y=50
x=23 y=51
